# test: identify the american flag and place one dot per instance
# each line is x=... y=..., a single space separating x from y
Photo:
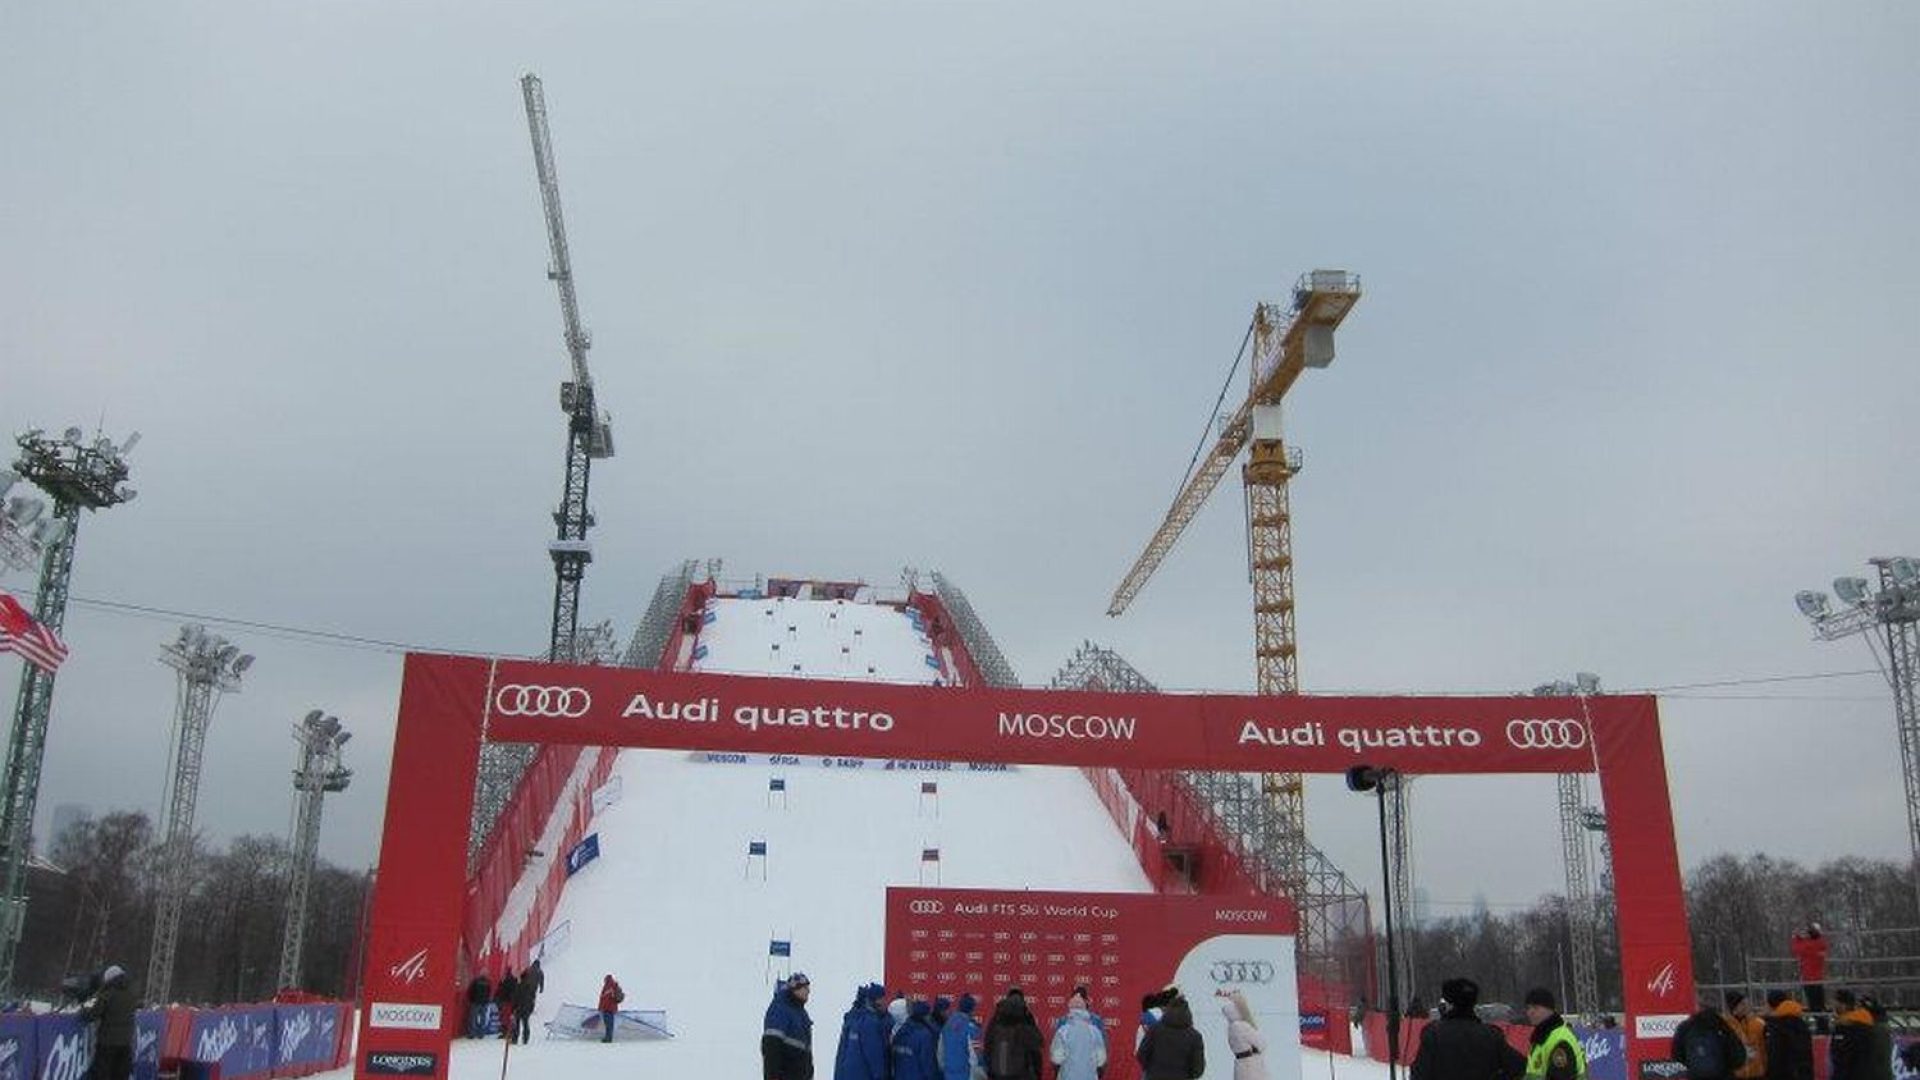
x=21 y=633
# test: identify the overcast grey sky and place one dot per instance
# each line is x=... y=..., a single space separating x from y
x=955 y=285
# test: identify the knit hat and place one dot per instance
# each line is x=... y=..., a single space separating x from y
x=797 y=980
x=1079 y=996
x=114 y=971
x=897 y=1008
x=1734 y=999
x=1775 y=998
x=1543 y=997
x=967 y=1003
x=1461 y=995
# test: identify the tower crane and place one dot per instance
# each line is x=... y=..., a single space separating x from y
x=1286 y=341
x=589 y=430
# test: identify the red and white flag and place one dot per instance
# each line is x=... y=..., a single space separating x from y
x=21 y=633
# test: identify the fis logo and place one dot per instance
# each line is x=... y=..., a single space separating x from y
x=412 y=969
x=1664 y=981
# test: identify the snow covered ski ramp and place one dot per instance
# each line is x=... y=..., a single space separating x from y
x=678 y=910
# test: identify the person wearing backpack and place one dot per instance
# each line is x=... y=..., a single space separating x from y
x=1707 y=1046
x=1789 y=1045
x=610 y=998
x=1013 y=1047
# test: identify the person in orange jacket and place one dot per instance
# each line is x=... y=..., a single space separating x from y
x=1753 y=1035
x=1788 y=1043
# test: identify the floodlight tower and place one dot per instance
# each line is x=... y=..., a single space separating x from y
x=1574 y=826
x=207 y=666
x=320 y=773
x=1893 y=610
x=79 y=475
x=26 y=529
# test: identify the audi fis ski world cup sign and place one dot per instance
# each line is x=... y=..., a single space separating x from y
x=770 y=716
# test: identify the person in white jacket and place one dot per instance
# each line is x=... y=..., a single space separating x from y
x=1079 y=1048
x=1243 y=1038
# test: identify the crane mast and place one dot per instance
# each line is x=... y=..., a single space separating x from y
x=1286 y=341
x=589 y=431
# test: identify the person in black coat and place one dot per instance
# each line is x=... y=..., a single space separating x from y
x=112 y=1009
x=503 y=994
x=525 y=993
x=1458 y=1046
x=1012 y=1048
x=479 y=994
x=1172 y=1049
x=1788 y=1042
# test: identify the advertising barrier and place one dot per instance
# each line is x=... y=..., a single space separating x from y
x=449 y=705
x=19 y=1054
x=63 y=1047
x=1118 y=945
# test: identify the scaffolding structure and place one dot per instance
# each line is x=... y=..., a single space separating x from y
x=656 y=626
x=1331 y=907
x=980 y=644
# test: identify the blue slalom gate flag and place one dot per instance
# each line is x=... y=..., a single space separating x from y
x=756 y=847
x=583 y=853
x=776 y=784
x=776 y=947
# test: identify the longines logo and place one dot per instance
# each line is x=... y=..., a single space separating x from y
x=1255 y=972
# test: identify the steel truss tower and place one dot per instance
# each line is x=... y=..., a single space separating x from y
x=319 y=774
x=1576 y=818
x=1893 y=611
x=79 y=476
x=1399 y=805
x=207 y=666
x=1329 y=903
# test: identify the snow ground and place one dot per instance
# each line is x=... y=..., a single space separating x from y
x=677 y=912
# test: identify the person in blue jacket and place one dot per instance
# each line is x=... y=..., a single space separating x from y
x=913 y=1045
x=786 y=1044
x=957 y=1039
x=863 y=1037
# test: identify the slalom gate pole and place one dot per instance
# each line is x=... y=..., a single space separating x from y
x=505 y=1053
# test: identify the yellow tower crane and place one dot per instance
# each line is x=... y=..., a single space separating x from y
x=1286 y=341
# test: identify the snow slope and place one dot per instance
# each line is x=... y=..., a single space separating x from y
x=678 y=913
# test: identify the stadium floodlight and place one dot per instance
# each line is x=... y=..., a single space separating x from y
x=242 y=662
x=72 y=436
x=24 y=510
x=1814 y=605
x=8 y=478
x=133 y=440
x=1586 y=682
x=1905 y=571
x=1851 y=590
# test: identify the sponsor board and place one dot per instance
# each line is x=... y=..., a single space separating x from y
x=812 y=761
x=400 y=1062
x=404 y=1015
x=1657 y=1027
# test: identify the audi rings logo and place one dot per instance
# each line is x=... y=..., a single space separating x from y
x=926 y=907
x=560 y=702
x=1546 y=734
x=1242 y=971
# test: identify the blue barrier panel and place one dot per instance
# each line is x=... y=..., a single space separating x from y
x=304 y=1038
x=149 y=1027
x=63 y=1047
x=239 y=1040
x=583 y=853
x=18 y=1054
x=1606 y=1052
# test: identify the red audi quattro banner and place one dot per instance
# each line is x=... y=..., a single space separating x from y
x=530 y=702
x=1118 y=945
x=449 y=706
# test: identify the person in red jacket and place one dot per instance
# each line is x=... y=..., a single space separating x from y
x=610 y=998
x=1810 y=948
